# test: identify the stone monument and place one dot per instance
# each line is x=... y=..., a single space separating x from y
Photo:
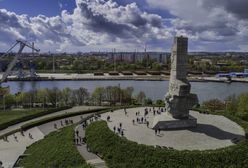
x=178 y=100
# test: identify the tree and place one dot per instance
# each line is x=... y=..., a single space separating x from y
x=126 y=95
x=41 y=95
x=231 y=104
x=148 y=101
x=214 y=105
x=53 y=96
x=9 y=100
x=80 y=96
x=19 y=98
x=66 y=95
x=243 y=105
x=98 y=95
x=141 y=97
x=160 y=103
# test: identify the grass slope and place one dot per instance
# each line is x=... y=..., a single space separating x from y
x=55 y=151
x=10 y=115
x=13 y=117
x=121 y=153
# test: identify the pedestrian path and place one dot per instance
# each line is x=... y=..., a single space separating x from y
x=71 y=110
x=10 y=150
x=90 y=158
x=16 y=144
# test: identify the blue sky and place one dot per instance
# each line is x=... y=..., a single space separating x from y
x=36 y=7
x=54 y=7
x=93 y=25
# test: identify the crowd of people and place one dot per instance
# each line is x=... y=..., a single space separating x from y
x=140 y=118
x=80 y=139
x=119 y=130
x=143 y=119
x=5 y=138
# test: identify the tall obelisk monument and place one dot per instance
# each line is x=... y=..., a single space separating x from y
x=178 y=100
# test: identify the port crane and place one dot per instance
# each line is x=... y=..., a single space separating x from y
x=22 y=45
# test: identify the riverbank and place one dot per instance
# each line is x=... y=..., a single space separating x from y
x=120 y=76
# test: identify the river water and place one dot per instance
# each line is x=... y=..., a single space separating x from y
x=153 y=89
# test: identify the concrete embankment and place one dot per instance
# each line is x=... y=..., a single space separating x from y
x=106 y=76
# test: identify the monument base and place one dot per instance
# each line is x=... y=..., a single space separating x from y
x=167 y=122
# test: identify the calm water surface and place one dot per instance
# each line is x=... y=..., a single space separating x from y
x=153 y=89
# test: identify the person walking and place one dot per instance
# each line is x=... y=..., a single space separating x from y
x=30 y=135
x=77 y=133
x=55 y=126
x=22 y=132
x=15 y=137
x=1 y=164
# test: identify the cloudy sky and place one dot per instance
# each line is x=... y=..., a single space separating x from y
x=93 y=25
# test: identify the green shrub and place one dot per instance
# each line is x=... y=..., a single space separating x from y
x=58 y=117
x=119 y=152
x=55 y=150
x=243 y=105
x=31 y=116
x=213 y=105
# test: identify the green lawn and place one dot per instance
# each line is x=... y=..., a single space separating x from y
x=56 y=150
x=119 y=152
x=15 y=116
x=10 y=115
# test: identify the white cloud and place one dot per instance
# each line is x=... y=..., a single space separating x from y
x=220 y=22
x=104 y=24
x=101 y=23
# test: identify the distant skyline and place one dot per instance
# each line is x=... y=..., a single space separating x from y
x=93 y=25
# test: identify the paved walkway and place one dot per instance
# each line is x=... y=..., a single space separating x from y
x=71 y=110
x=88 y=156
x=10 y=150
x=212 y=132
x=13 y=148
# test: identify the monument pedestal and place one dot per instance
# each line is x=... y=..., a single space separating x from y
x=167 y=122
